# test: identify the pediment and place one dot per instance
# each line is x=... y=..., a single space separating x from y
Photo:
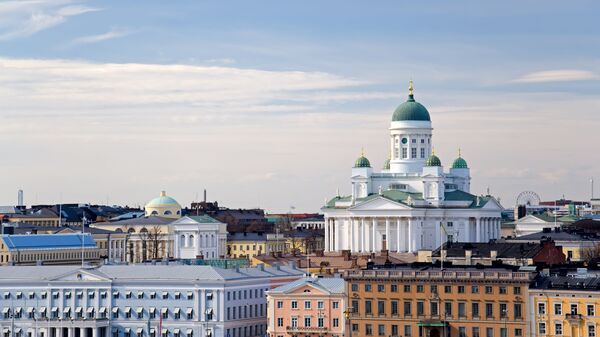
x=308 y=289
x=492 y=204
x=531 y=219
x=81 y=275
x=379 y=204
x=185 y=221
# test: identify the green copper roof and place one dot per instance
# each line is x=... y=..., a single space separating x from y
x=411 y=110
x=362 y=161
x=459 y=163
x=386 y=165
x=433 y=160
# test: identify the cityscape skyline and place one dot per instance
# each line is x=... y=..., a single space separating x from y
x=270 y=105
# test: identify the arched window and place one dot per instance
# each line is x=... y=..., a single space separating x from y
x=131 y=230
x=119 y=230
x=182 y=241
x=144 y=230
x=191 y=241
x=212 y=240
x=167 y=212
x=178 y=212
x=154 y=213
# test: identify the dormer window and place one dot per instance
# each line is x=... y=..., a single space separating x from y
x=400 y=187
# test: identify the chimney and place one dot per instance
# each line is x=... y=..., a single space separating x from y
x=20 y=198
x=493 y=255
x=205 y=196
x=261 y=266
x=468 y=256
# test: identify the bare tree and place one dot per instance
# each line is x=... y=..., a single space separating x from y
x=295 y=242
x=591 y=254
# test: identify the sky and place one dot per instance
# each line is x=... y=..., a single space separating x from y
x=268 y=103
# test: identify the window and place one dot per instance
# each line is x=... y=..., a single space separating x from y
x=279 y=304
x=591 y=310
x=368 y=309
x=434 y=288
x=503 y=310
x=541 y=308
x=407 y=307
x=306 y=304
x=420 y=308
x=422 y=152
x=394 y=305
x=489 y=290
x=517 y=311
x=354 y=327
x=448 y=308
x=381 y=330
x=502 y=290
x=394 y=288
x=307 y=321
x=474 y=289
x=462 y=331
x=462 y=310
x=413 y=152
x=294 y=304
x=380 y=288
x=369 y=327
x=489 y=332
x=433 y=306
x=394 y=330
x=542 y=328
x=407 y=288
x=475 y=309
x=407 y=331
x=354 y=287
x=557 y=308
x=447 y=289
x=367 y=287
x=574 y=309
x=354 y=305
x=475 y=331
x=489 y=310
x=404 y=153
x=420 y=288
x=294 y=322
x=461 y=289
x=558 y=329
x=336 y=322
x=335 y=305
x=518 y=332
x=517 y=290
x=320 y=304
x=591 y=331
x=320 y=322
x=381 y=308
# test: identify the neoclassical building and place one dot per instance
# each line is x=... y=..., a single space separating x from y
x=199 y=235
x=412 y=203
x=164 y=206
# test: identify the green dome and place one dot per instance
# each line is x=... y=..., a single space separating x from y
x=459 y=163
x=162 y=200
x=386 y=165
x=362 y=161
x=433 y=160
x=411 y=110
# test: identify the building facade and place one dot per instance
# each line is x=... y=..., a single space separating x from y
x=137 y=301
x=250 y=245
x=47 y=249
x=428 y=302
x=413 y=203
x=564 y=306
x=199 y=236
x=308 y=306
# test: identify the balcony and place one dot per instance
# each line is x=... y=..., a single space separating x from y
x=305 y=329
x=574 y=318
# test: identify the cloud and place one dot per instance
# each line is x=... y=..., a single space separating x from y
x=557 y=76
x=111 y=34
x=25 y=18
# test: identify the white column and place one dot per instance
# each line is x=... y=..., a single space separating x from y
x=202 y=313
x=398 y=235
x=468 y=231
x=350 y=223
x=411 y=234
x=362 y=235
x=326 y=235
x=477 y=230
x=388 y=239
x=373 y=236
x=336 y=226
x=94 y=332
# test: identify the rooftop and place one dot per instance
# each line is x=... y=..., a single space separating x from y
x=330 y=284
x=504 y=250
x=48 y=241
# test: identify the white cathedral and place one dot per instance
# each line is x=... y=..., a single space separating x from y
x=412 y=203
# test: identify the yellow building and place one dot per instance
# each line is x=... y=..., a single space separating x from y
x=303 y=242
x=573 y=244
x=564 y=306
x=249 y=245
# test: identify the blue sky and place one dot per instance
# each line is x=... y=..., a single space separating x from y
x=268 y=103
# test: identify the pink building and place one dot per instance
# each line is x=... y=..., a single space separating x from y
x=308 y=307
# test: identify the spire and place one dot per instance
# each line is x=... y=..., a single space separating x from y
x=362 y=151
x=459 y=156
x=410 y=90
x=433 y=150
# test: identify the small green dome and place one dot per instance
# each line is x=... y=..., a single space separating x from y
x=433 y=160
x=362 y=161
x=459 y=163
x=386 y=165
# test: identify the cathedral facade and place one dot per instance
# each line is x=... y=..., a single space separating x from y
x=412 y=203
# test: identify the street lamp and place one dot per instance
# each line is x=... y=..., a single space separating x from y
x=348 y=325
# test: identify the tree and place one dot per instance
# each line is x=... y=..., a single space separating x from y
x=591 y=254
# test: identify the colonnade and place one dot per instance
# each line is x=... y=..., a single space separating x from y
x=404 y=234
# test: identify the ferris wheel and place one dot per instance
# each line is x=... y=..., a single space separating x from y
x=528 y=198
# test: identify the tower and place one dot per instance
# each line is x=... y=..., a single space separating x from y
x=410 y=136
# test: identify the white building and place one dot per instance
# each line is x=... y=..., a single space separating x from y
x=199 y=236
x=130 y=300
x=412 y=203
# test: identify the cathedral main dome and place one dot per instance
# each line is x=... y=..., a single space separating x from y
x=411 y=110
